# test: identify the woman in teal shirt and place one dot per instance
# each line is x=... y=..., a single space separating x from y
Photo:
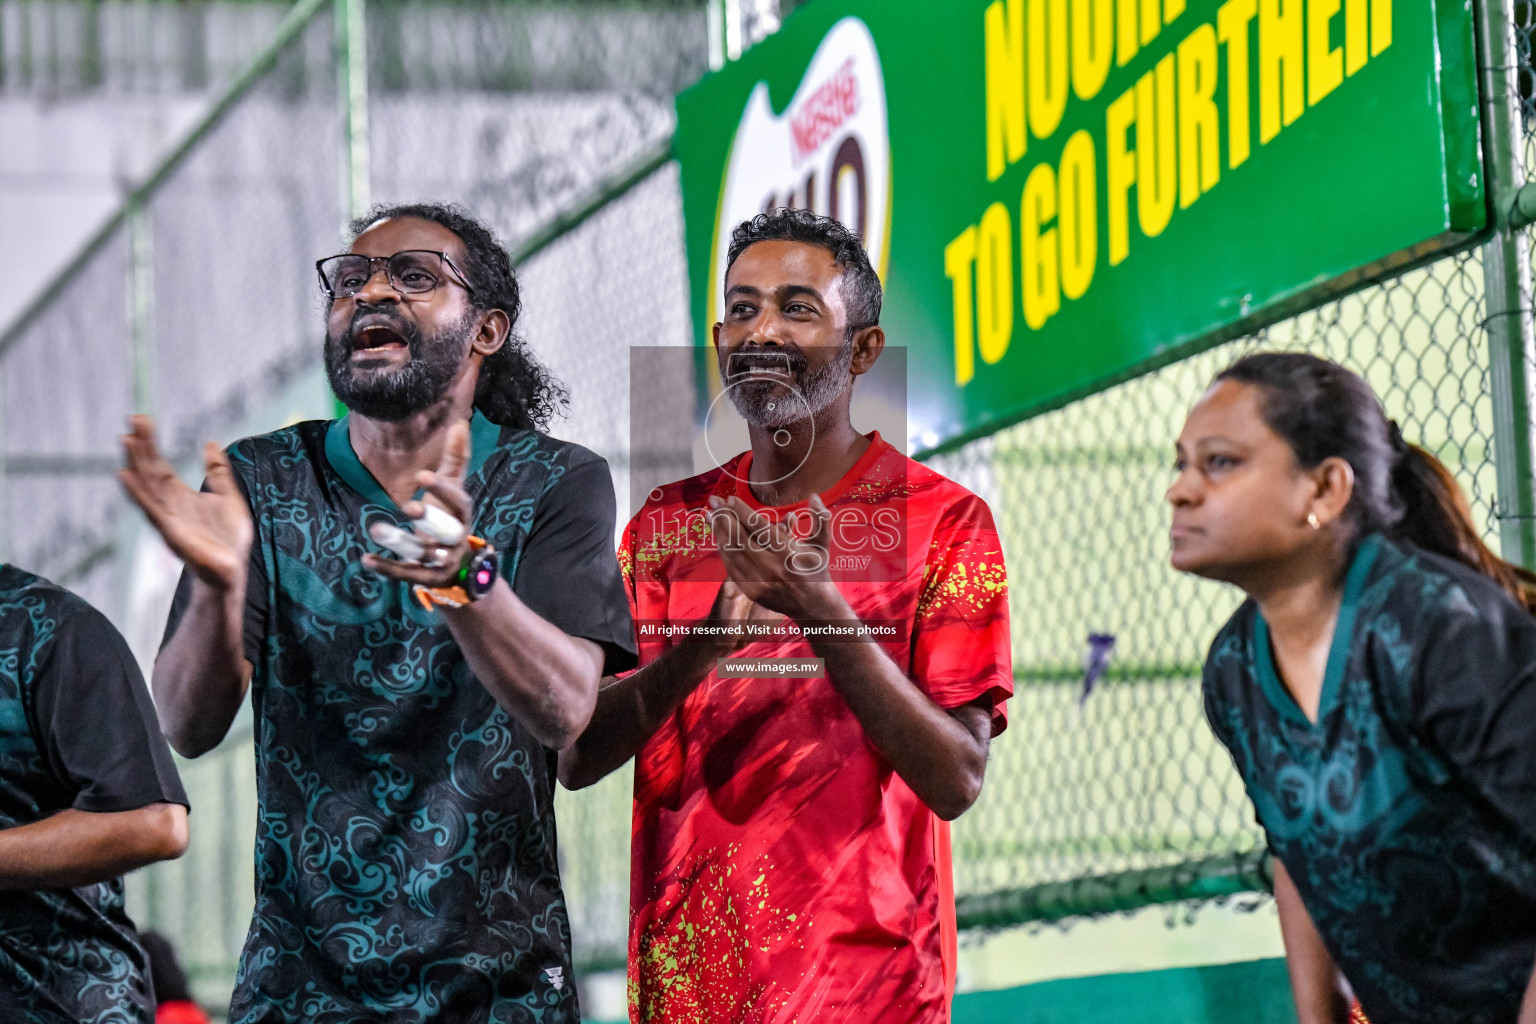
x=1378 y=698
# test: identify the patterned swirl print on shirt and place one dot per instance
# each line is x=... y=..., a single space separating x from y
x=65 y=954
x=1420 y=892
x=405 y=841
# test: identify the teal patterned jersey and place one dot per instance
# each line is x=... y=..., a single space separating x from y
x=1406 y=813
x=405 y=848
x=77 y=732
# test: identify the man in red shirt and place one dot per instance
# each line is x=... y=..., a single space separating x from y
x=790 y=857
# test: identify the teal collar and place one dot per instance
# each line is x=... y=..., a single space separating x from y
x=483 y=436
x=1338 y=648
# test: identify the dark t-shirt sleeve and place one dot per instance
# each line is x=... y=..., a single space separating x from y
x=1226 y=680
x=254 y=629
x=1476 y=699
x=100 y=734
x=1225 y=683
x=1211 y=697
x=569 y=572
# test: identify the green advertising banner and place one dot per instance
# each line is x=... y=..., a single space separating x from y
x=1060 y=194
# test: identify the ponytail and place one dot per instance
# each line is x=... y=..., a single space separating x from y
x=1437 y=518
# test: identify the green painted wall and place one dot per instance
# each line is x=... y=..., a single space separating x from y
x=1255 y=992
x=1021 y=274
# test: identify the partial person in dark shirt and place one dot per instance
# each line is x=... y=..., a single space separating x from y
x=405 y=850
x=88 y=792
x=1378 y=698
x=173 y=995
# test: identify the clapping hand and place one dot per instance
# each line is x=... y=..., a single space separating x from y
x=209 y=530
x=443 y=490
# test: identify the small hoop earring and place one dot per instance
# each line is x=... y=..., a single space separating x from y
x=1312 y=521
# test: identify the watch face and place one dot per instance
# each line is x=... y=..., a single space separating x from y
x=482 y=574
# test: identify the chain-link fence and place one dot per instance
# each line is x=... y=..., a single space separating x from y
x=198 y=304
x=121 y=47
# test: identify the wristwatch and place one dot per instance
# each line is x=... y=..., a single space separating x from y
x=478 y=574
x=475 y=578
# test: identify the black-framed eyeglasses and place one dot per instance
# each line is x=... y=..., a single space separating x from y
x=410 y=271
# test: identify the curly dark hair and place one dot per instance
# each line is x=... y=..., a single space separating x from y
x=861 y=285
x=514 y=389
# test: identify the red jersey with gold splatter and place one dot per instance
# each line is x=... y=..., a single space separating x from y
x=782 y=871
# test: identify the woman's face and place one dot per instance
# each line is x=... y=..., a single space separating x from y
x=1240 y=500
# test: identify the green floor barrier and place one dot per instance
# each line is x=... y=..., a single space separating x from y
x=1255 y=992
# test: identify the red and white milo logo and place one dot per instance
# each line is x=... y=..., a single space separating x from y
x=828 y=151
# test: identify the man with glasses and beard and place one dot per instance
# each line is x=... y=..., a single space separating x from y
x=406 y=713
x=791 y=846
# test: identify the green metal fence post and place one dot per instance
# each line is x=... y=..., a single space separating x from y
x=141 y=307
x=24 y=33
x=5 y=480
x=352 y=81
x=1507 y=281
x=714 y=20
x=90 y=43
x=141 y=363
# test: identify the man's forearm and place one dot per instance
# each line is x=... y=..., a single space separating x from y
x=942 y=760
x=201 y=675
x=630 y=710
x=539 y=675
x=75 y=848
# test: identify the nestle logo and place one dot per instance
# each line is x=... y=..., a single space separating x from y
x=824 y=111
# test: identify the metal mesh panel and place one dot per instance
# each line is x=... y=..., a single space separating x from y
x=129 y=46
x=232 y=236
x=235 y=231
x=653 y=48
x=56 y=441
x=515 y=160
x=197 y=306
x=616 y=283
x=1519 y=70
x=516 y=111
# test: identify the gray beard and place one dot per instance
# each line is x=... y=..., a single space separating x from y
x=820 y=388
